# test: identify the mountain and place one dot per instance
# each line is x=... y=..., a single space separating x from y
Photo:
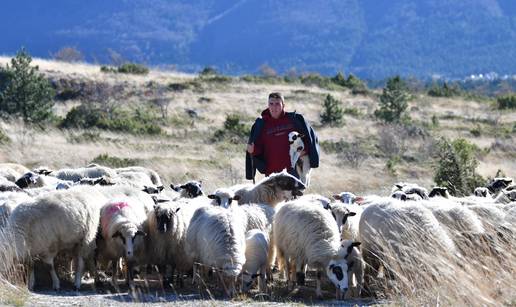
x=370 y=38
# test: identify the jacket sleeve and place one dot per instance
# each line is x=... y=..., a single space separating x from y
x=254 y=162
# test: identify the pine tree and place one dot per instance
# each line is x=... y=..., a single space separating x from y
x=332 y=113
x=393 y=101
x=25 y=92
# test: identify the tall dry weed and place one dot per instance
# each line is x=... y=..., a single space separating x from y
x=421 y=271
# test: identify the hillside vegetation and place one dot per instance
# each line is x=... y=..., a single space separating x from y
x=195 y=127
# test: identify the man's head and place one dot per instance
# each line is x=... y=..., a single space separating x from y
x=276 y=104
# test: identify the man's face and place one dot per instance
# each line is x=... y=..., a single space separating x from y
x=275 y=107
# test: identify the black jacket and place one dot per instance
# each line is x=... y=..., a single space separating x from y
x=253 y=163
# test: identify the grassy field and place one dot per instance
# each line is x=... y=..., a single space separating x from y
x=356 y=157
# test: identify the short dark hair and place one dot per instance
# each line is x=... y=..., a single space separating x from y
x=276 y=95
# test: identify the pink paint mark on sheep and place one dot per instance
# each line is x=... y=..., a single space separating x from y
x=108 y=213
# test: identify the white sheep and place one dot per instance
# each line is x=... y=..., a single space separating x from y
x=412 y=190
x=151 y=174
x=308 y=235
x=76 y=174
x=55 y=222
x=391 y=228
x=271 y=190
x=299 y=163
x=12 y=171
x=33 y=180
x=8 y=202
x=167 y=226
x=122 y=232
x=216 y=238
x=256 y=259
x=223 y=197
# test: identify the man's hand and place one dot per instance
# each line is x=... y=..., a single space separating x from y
x=250 y=148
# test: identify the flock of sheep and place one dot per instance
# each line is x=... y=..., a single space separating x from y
x=95 y=216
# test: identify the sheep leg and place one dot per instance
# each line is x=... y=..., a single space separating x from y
x=114 y=275
x=262 y=284
x=32 y=278
x=55 y=280
x=300 y=274
x=318 y=291
x=79 y=268
x=226 y=290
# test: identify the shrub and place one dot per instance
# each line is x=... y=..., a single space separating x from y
x=139 y=122
x=354 y=155
x=25 y=92
x=233 y=130
x=477 y=131
x=352 y=111
x=393 y=101
x=456 y=164
x=85 y=137
x=356 y=85
x=443 y=90
x=108 y=69
x=208 y=71
x=133 y=68
x=115 y=162
x=332 y=113
x=506 y=102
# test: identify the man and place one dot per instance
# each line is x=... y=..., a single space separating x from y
x=268 y=146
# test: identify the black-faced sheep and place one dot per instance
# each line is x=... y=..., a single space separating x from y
x=308 y=235
x=190 y=189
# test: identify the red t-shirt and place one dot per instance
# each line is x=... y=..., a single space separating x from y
x=273 y=142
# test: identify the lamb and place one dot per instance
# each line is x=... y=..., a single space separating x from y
x=271 y=190
x=55 y=222
x=389 y=227
x=122 y=233
x=308 y=235
x=356 y=266
x=301 y=164
x=347 y=218
x=216 y=238
x=256 y=259
x=151 y=174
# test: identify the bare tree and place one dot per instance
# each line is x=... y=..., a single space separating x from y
x=69 y=54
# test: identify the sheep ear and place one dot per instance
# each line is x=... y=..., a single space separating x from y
x=178 y=209
x=399 y=186
x=356 y=243
x=359 y=199
x=160 y=188
x=352 y=213
x=141 y=233
x=236 y=197
x=212 y=196
x=328 y=207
